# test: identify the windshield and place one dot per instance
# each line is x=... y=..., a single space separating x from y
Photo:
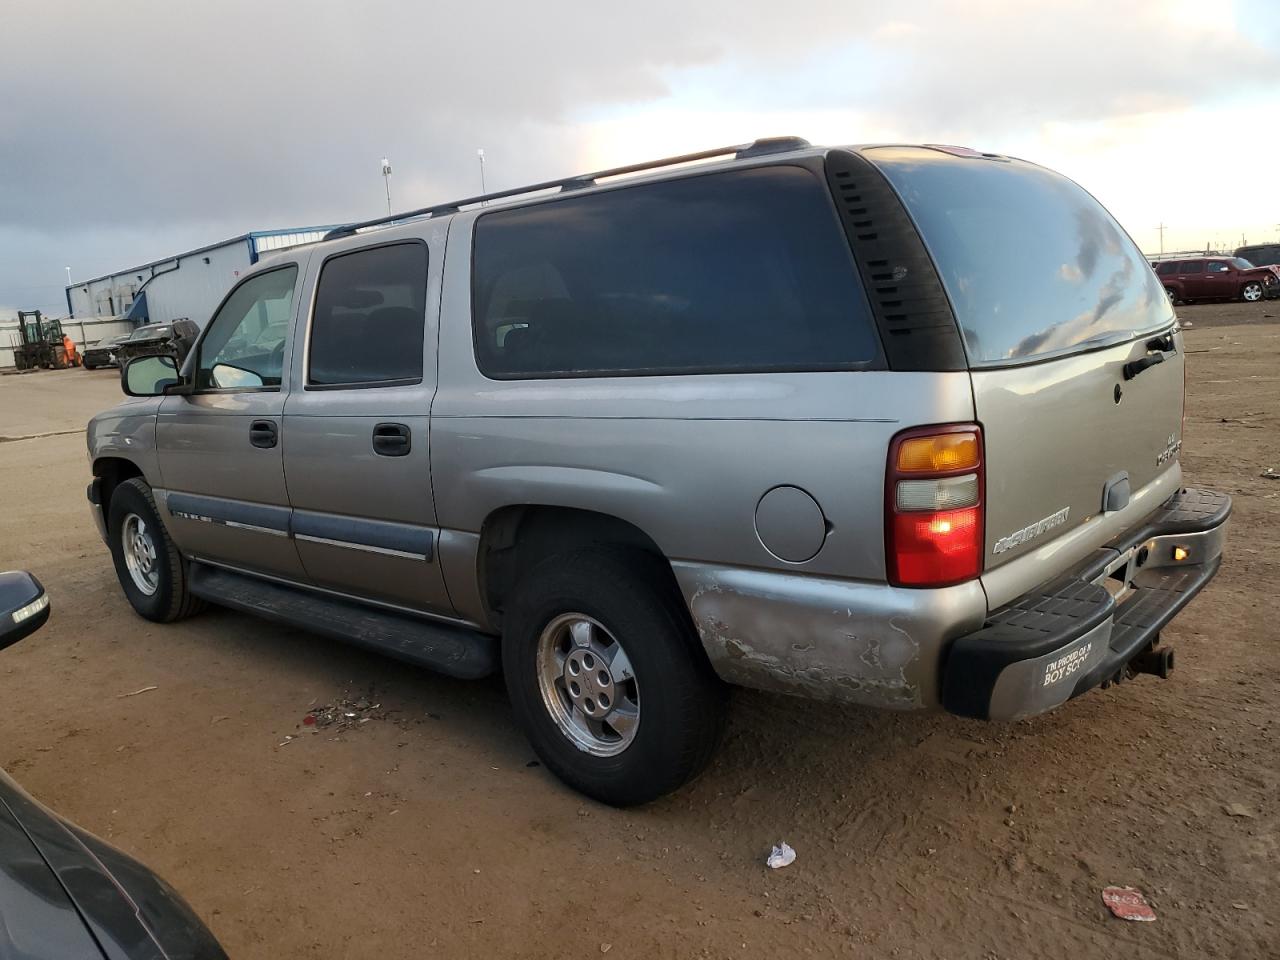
x=146 y=333
x=1241 y=263
x=1034 y=266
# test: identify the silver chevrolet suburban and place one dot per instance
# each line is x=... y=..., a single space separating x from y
x=892 y=425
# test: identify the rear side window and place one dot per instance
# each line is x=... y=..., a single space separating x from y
x=1034 y=266
x=369 y=318
x=1165 y=269
x=1193 y=266
x=743 y=271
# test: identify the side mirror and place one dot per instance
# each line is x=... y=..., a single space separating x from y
x=24 y=606
x=149 y=376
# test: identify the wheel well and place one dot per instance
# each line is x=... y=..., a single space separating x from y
x=514 y=539
x=113 y=471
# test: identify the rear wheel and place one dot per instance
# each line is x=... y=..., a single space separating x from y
x=150 y=569
x=1251 y=291
x=606 y=676
x=1171 y=294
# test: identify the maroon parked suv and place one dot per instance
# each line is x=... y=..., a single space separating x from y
x=1217 y=278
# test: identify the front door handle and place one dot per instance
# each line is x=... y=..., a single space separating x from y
x=392 y=440
x=263 y=433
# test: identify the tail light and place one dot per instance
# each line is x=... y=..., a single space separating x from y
x=934 y=506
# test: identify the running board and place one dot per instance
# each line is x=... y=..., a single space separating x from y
x=454 y=651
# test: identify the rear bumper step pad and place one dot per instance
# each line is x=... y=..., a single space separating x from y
x=1069 y=635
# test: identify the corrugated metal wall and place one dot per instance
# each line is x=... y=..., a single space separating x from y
x=186 y=286
x=190 y=285
x=196 y=288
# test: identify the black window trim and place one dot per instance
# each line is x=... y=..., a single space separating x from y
x=198 y=346
x=307 y=385
x=815 y=166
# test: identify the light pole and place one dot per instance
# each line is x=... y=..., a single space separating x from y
x=480 y=154
x=386 y=179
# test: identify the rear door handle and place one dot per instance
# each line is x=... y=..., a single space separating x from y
x=263 y=433
x=392 y=440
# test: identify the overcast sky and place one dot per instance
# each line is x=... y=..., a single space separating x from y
x=135 y=129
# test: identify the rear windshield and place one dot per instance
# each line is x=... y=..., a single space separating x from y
x=1034 y=266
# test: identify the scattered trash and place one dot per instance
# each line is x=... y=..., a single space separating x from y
x=781 y=856
x=217 y=720
x=1269 y=474
x=1239 y=906
x=1128 y=903
x=606 y=947
x=286 y=741
x=121 y=696
x=344 y=714
x=1238 y=810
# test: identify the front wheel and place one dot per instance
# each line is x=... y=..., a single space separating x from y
x=1251 y=292
x=607 y=677
x=150 y=569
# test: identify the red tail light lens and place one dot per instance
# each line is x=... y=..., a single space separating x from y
x=934 y=507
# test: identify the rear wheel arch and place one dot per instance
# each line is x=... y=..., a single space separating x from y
x=516 y=538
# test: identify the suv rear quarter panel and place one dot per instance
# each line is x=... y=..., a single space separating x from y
x=684 y=458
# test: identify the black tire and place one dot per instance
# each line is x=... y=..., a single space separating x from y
x=682 y=702
x=171 y=599
x=1256 y=287
x=1172 y=294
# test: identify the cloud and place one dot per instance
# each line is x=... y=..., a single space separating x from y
x=132 y=129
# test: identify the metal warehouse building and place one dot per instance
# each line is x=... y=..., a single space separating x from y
x=184 y=286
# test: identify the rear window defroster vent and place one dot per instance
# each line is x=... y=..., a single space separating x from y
x=915 y=318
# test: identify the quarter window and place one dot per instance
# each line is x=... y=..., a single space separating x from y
x=1165 y=269
x=742 y=271
x=369 y=317
x=233 y=353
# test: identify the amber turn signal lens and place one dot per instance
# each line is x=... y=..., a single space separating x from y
x=938 y=454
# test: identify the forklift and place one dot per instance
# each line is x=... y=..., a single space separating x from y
x=43 y=344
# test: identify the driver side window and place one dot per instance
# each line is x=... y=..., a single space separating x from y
x=245 y=343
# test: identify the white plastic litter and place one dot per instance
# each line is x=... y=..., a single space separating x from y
x=781 y=856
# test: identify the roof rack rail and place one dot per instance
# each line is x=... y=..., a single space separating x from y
x=741 y=151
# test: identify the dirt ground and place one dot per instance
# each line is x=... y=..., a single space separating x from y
x=427 y=830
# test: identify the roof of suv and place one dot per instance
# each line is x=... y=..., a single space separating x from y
x=768 y=148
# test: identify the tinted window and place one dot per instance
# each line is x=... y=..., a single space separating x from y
x=1192 y=266
x=1167 y=268
x=741 y=271
x=1262 y=255
x=1217 y=266
x=369 y=316
x=230 y=354
x=1034 y=266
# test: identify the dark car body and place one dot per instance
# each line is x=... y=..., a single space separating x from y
x=66 y=895
x=159 y=339
x=1217 y=278
x=1260 y=254
x=103 y=353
